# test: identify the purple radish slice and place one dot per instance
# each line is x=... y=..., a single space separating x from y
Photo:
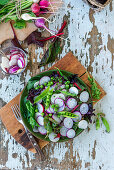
x=63 y=131
x=13 y=69
x=40 y=120
x=68 y=122
x=84 y=108
x=59 y=101
x=61 y=108
x=71 y=103
x=77 y=119
x=35 y=129
x=48 y=110
x=73 y=90
x=71 y=133
x=83 y=124
x=36 y=84
x=13 y=62
x=40 y=108
x=42 y=130
x=21 y=62
x=58 y=120
x=53 y=97
x=53 y=137
x=51 y=109
x=84 y=96
x=44 y=79
x=15 y=56
x=37 y=114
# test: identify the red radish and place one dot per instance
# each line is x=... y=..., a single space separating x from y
x=84 y=108
x=63 y=131
x=43 y=80
x=58 y=136
x=13 y=62
x=44 y=3
x=59 y=102
x=53 y=137
x=84 y=96
x=42 y=130
x=37 y=114
x=40 y=120
x=40 y=108
x=61 y=108
x=13 y=69
x=35 y=8
x=73 y=90
x=15 y=56
x=68 y=122
x=75 y=108
x=58 y=120
x=77 y=119
x=71 y=133
x=21 y=62
x=71 y=103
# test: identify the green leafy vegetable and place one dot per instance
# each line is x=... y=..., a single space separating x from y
x=30 y=108
x=67 y=114
x=42 y=95
x=19 y=24
x=95 y=91
x=47 y=124
x=105 y=122
x=4 y=2
x=33 y=122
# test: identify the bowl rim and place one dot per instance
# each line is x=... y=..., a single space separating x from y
x=43 y=136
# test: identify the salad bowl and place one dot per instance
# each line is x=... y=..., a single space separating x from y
x=59 y=99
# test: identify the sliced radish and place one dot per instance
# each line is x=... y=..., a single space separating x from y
x=5 y=62
x=40 y=120
x=35 y=129
x=61 y=96
x=40 y=108
x=61 y=117
x=84 y=96
x=36 y=84
x=71 y=103
x=83 y=124
x=37 y=114
x=68 y=122
x=84 y=108
x=61 y=108
x=15 y=56
x=50 y=110
x=13 y=69
x=71 y=133
x=58 y=120
x=77 y=119
x=42 y=130
x=62 y=86
x=44 y=79
x=73 y=90
x=59 y=101
x=53 y=137
x=13 y=62
x=21 y=62
x=63 y=131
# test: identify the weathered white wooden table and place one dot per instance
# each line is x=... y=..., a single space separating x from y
x=91 y=38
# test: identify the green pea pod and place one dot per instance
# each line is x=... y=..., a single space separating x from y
x=67 y=114
x=61 y=74
x=97 y=124
x=42 y=95
x=105 y=122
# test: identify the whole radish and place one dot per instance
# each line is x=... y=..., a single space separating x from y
x=35 y=8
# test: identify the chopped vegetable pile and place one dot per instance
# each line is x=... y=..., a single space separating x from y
x=58 y=106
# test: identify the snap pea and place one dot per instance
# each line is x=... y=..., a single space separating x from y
x=48 y=99
x=105 y=122
x=97 y=123
x=67 y=114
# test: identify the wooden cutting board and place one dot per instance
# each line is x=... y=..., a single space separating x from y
x=7 y=33
x=68 y=63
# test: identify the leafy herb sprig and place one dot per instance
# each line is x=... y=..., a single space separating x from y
x=104 y=121
x=95 y=91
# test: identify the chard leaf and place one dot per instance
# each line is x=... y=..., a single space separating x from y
x=19 y=24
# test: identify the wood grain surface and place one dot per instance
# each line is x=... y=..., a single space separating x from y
x=67 y=63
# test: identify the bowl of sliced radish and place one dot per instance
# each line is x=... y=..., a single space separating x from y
x=14 y=60
x=56 y=106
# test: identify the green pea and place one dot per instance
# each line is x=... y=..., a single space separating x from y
x=51 y=83
x=47 y=100
x=42 y=114
x=36 y=110
x=55 y=109
x=60 y=81
x=52 y=106
x=67 y=86
x=41 y=86
x=45 y=84
x=66 y=82
x=52 y=78
x=36 y=88
x=71 y=85
x=50 y=115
